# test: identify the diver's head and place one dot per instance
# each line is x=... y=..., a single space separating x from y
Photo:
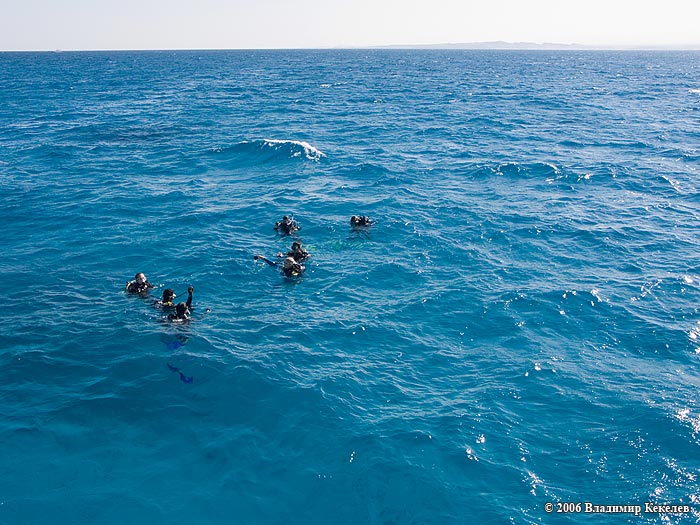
x=296 y=245
x=285 y=218
x=140 y=277
x=168 y=295
x=291 y=267
x=181 y=311
x=354 y=219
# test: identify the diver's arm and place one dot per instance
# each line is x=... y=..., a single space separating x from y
x=189 y=296
x=268 y=261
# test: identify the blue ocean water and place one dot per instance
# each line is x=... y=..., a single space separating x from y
x=519 y=327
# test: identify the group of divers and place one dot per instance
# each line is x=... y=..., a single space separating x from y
x=290 y=266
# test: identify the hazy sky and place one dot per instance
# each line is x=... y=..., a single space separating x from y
x=230 y=24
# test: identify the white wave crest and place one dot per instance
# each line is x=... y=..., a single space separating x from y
x=298 y=146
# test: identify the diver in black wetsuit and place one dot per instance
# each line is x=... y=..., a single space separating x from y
x=167 y=301
x=182 y=310
x=139 y=285
x=290 y=267
x=287 y=226
x=296 y=252
x=360 y=220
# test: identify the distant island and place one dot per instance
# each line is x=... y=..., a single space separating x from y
x=538 y=46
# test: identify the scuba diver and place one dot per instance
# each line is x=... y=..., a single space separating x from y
x=182 y=310
x=287 y=226
x=289 y=267
x=360 y=220
x=139 y=285
x=166 y=301
x=296 y=252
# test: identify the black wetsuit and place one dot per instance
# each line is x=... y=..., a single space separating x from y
x=286 y=226
x=298 y=255
x=291 y=270
x=186 y=314
x=361 y=220
x=137 y=287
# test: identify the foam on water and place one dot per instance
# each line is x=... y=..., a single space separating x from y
x=271 y=150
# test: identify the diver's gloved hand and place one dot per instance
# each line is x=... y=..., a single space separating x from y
x=190 y=289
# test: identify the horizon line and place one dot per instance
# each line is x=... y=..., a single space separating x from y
x=495 y=45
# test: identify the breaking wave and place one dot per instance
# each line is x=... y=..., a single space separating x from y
x=270 y=150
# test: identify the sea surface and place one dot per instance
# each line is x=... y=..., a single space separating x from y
x=518 y=327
